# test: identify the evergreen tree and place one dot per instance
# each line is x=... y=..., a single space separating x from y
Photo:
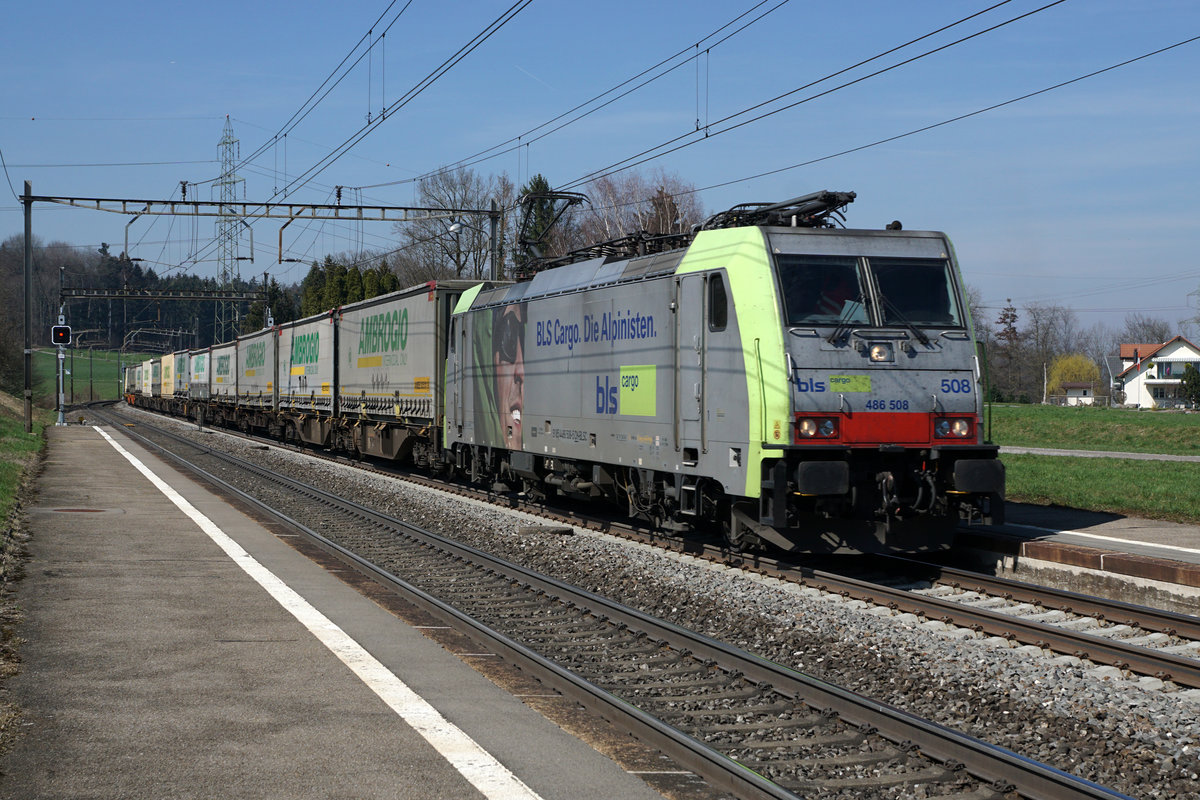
x=312 y=291
x=1008 y=346
x=353 y=283
x=388 y=280
x=370 y=283
x=666 y=215
x=1190 y=386
x=335 y=284
x=540 y=216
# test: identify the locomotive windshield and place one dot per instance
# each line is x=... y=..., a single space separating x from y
x=822 y=290
x=916 y=291
x=830 y=290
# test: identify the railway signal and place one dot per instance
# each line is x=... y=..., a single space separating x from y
x=60 y=334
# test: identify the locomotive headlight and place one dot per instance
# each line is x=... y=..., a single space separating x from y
x=958 y=428
x=880 y=351
x=816 y=428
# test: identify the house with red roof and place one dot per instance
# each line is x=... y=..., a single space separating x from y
x=1151 y=373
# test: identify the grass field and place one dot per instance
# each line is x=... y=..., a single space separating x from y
x=1154 y=489
x=1082 y=428
x=93 y=374
x=1157 y=489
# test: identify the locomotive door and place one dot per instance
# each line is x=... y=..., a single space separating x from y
x=689 y=365
x=456 y=347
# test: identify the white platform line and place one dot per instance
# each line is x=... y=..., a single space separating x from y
x=1100 y=538
x=485 y=773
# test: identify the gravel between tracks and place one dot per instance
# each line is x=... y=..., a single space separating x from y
x=1128 y=735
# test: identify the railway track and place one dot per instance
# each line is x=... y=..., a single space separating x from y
x=1137 y=639
x=745 y=724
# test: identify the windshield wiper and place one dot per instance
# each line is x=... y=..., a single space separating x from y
x=843 y=323
x=888 y=305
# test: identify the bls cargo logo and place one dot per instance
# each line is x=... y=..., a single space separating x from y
x=634 y=392
x=837 y=383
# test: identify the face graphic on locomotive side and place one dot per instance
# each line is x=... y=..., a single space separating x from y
x=508 y=361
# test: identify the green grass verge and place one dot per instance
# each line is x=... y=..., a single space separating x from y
x=17 y=451
x=93 y=374
x=1083 y=428
x=1154 y=489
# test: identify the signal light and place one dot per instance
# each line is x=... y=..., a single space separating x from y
x=60 y=334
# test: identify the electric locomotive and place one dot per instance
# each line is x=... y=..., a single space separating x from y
x=791 y=383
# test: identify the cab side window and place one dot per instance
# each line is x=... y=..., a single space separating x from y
x=718 y=303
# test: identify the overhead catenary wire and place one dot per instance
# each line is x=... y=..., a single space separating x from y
x=325 y=162
x=305 y=108
x=313 y=100
x=413 y=92
x=945 y=122
x=9 y=177
x=524 y=140
x=654 y=153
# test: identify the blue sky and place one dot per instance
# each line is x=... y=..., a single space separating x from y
x=1085 y=196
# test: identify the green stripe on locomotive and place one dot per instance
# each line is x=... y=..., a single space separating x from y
x=742 y=252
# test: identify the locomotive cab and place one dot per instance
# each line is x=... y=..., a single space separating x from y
x=884 y=390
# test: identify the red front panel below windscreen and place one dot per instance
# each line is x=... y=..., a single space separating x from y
x=885 y=427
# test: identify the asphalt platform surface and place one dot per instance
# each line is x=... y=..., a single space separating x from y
x=156 y=666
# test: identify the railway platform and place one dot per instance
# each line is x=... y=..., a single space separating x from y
x=1124 y=548
x=182 y=649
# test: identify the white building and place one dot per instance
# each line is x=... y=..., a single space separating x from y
x=1079 y=394
x=1153 y=372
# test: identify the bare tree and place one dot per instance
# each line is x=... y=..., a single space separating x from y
x=455 y=245
x=630 y=203
x=1050 y=331
x=1144 y=329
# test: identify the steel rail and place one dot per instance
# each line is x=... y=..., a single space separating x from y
x=1143 y=660
x=1004 y=769
x=1115 y=611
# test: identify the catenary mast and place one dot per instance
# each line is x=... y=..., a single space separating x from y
x=225 y=321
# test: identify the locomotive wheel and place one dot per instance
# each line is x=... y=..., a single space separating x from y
x=739 y=538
